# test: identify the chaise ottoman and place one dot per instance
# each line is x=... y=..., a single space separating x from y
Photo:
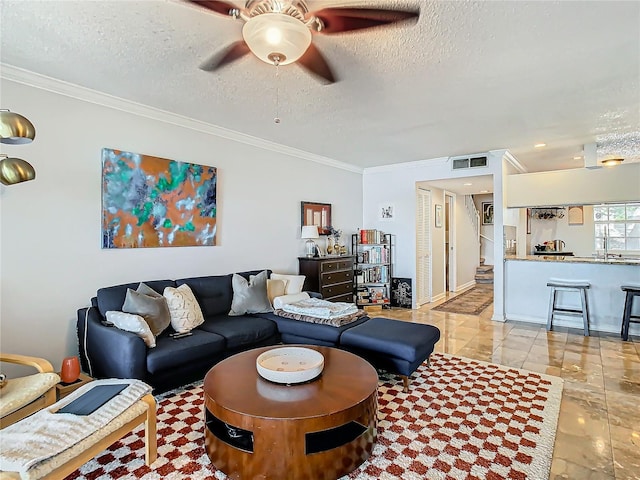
x=392 y=345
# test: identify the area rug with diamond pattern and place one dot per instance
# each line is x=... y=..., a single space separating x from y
x=462 y=419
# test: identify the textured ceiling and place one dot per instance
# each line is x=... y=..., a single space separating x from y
x=468 y=77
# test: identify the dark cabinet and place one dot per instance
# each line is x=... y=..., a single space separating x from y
x=330 y=276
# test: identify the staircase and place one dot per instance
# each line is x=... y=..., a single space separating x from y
x=484 y=273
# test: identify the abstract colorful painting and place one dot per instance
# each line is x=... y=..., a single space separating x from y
x=155 y=202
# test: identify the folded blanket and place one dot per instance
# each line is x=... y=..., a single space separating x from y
x=46 y=433
x=315 y=307
x=334 y=322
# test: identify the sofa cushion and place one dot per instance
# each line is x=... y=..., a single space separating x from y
x=134 y=324
x=112 y=298
x=405 y=340
x=294 y=283
x=214 y=293
x=173 y=352
x=275 y=288
x=244 y=330
x=250 y=296
x=154 y=310
x=325 y=333
x=183 y=307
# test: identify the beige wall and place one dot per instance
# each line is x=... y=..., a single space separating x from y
x=51 y=262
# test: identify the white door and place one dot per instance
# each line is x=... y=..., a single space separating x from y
x=423 y=247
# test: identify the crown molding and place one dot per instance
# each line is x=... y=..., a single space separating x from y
x=32 y=79
x=406 y=165
x=508 y=156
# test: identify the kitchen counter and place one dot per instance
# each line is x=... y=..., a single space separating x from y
x=527 y=294
x=556 y=257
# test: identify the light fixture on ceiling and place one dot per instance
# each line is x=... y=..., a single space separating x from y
x=280 y=31
x=276 y=38
x=15 y=170
x=540 y=145
x=612 y=162
x=577 y=157
x=15 y=129
x=467 y=184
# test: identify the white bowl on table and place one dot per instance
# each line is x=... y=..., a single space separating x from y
x=290 y=365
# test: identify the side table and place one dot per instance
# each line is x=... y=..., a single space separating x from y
x=64 y=389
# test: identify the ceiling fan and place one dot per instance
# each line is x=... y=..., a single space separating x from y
x=279 y=32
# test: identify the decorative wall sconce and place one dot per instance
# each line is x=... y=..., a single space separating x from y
x=15 y=130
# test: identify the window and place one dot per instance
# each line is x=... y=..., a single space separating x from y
x=620 y=224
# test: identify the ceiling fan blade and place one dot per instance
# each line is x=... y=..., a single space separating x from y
x=231 y=54
x=314 y=62
x=223 y=8
x=338 y=19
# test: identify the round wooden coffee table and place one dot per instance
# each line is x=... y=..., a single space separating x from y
x=256 y=429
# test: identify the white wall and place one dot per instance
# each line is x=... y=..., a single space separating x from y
x=51 y=260
x=578 y=186
x=488 y=232
x=579 y=239
x=396 y=184
x=467 y=249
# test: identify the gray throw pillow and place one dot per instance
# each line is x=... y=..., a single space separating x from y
x=250 y=297
x=154 y=310
x=147 y=290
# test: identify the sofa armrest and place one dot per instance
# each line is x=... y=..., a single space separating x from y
x=107 y=351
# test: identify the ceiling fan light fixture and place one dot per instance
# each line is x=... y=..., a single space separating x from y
x=15 y=129
x=276 y=38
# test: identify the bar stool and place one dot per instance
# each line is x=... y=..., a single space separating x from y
x=569 y=286
x=631 y=293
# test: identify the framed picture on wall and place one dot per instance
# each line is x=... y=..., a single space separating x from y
x=438 y=215
x=576 y=215
x=487 y=213
x=318 y=214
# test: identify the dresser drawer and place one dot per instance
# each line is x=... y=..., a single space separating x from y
x=329 y=291
x=337 y=277
x=335 y=265
x=348 y=298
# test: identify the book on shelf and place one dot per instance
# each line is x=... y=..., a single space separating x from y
x=368 y=236
x=375 y=254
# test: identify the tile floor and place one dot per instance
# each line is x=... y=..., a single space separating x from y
x=598 y=436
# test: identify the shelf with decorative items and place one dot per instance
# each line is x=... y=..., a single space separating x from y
x=334 y=247
x=547 y=213
x=373 y=266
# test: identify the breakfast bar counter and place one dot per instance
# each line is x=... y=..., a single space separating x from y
x=527 y=294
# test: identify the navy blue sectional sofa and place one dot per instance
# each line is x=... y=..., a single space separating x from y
x=108 y=352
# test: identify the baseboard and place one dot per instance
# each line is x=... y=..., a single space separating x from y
x=440 y=296
x=559 y=322
x=465 y=286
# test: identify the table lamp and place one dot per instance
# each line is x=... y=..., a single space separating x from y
x=309 y=232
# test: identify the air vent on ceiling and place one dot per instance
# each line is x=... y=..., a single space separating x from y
x=468 y=162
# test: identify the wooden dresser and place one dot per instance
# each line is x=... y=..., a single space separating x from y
x=331 y=276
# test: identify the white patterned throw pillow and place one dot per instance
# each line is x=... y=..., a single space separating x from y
x=184 y=308
x=130 y=322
